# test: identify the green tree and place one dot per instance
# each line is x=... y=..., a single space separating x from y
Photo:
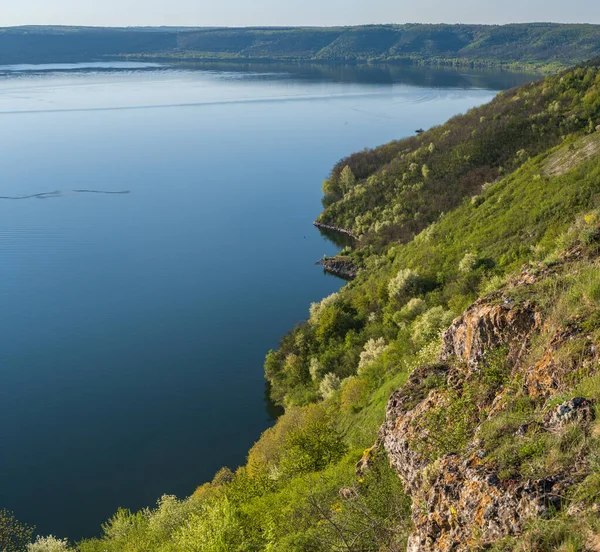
x=14 y=535
x=347 y=179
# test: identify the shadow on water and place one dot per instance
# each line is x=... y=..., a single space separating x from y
x=273 y=410
x=339 y=239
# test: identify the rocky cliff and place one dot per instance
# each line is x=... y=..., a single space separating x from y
x=437 y=424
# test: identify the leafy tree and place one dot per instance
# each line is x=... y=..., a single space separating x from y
x=330 y=384
x=14 y=535
x=49 y=544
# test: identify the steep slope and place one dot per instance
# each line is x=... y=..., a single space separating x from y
x=395 y=191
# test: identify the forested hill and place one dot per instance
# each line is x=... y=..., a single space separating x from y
x=543 y=46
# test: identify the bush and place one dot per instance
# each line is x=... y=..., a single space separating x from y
x=405 y=283
x=469 y=263
x=49 y=544
x=430 y=324
x=316 y=309
x=373 y=349
x=312 y=445
x=14 y=535
x=330 y=384
x=315 y=369
x=215 y=529
x=335 y=322
x=354 y=394
x=410 y=311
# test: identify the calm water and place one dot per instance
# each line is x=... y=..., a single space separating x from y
x=134 y=325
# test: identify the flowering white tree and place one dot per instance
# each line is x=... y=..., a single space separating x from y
x=316 y=309
x=374 y=348
x=315 y=368
x=404 y=283
x=469 y=263
x=330 y=384
x=49 y=544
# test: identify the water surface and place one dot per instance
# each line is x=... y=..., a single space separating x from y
x=155 y=242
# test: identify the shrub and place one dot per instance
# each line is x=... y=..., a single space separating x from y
x=430 y=324
x=406 y=282
x=312 y=445
x=294 y=369
x=373 y=349
x=215 y=529
x=347 y=179
x=354 y=394
x=330 y=384
x=335 y=322
x=469 y=263
x=14 y=535
x=316 y=309
x=315 y=369
x=49 y=544
x=409 y=312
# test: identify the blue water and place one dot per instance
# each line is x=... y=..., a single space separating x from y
x=134 y=326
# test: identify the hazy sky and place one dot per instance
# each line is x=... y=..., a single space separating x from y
x=292 y=12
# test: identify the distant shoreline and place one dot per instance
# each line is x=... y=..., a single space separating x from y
x=518 y=47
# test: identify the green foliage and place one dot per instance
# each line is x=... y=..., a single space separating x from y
x=394 y=200
x=404 y=284
x=468 y=263
x=430 y=324
x=49 y=544
x=330 y=384
x=14 y=535
x=449 y=426
x=355 y=393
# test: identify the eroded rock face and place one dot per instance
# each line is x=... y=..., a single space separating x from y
x=487 y=325
x=339 y=267
x=457 y=502
x=405 y=405
x=462 y=506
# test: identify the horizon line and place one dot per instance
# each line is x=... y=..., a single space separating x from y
x=286 y=27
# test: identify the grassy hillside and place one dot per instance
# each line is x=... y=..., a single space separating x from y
x=532 y=46
x=524 y=239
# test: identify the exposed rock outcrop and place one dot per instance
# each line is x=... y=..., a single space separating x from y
x=459 y=502
x=486 y=325
x=463 y=505
x=342 y=268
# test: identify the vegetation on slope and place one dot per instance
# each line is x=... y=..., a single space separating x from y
x=299 y=490
x=395 y=191
x=541 y=46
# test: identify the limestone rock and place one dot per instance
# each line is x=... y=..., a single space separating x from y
x=486 y=325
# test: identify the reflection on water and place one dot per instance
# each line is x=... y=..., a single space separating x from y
x=376 y=74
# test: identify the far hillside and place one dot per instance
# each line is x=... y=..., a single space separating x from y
x=540 y=46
